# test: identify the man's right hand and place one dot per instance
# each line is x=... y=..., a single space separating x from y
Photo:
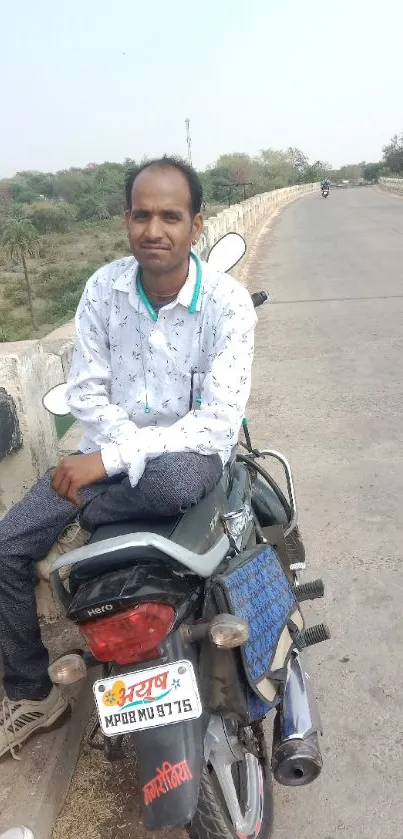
x=76 y=472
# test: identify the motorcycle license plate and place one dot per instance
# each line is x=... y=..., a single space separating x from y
x=147 y=698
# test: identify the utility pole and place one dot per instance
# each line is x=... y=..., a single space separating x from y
x=188 y=141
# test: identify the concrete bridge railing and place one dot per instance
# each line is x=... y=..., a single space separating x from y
x=28 y=369
x=392 y=184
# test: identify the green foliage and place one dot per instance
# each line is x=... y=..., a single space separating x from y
x=19 y=239
x=19 y=211
x=238 y=176
x=62 y=289
x=299 y=164
x=97 y=192
x=16 y=294
x=64 y=307
x=277 y=168
x=393 y=155
x=71 y=186
x=39 y=183
x=57 y=281
x=317 y=172
x=115 y=203
x=49 y=217
x=5 y=334
x=21 y=192
x=91 y=208
x=352 y=172
x=372 y=171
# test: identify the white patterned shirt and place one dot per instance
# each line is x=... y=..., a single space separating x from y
x=130 y=380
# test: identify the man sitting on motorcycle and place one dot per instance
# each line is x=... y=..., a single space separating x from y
x=160 y=378
x=325 y=184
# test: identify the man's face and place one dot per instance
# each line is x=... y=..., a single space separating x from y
x=160 y=225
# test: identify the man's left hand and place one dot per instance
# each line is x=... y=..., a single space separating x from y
x=77 y=471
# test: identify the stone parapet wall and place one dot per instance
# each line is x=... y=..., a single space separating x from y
x=392 y=184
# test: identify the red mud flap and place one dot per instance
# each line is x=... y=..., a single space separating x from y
x=170 y=765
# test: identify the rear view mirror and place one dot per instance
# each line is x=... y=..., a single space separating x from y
x=55 y=401
x=227 y=252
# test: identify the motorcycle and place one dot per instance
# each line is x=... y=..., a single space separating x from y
x=196 y=622
x=325 y=191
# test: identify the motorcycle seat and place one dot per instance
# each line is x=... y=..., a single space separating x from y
x=197 y=529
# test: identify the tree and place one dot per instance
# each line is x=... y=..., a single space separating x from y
x=39 y=183
x=219 y=180
x=299 y=163
x=71 y=185
x=21 y=191
x=20 y=240
x=240 y=166
x=206 y=182
x=372 y=171
x=277 y=168
x=91 y=208
x=350 y=172
x=6 y=201
x=393 y=155
x=50 y=217
x=317 y=171
x=19 y=211
x=115 y=203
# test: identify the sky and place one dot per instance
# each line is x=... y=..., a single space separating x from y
x=93 y=80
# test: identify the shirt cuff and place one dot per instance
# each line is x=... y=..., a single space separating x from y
x=113 y=463
x=152 y=441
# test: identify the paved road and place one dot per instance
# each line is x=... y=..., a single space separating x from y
x=328 y=391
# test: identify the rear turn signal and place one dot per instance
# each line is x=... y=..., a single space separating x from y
x=227 y=631
x=67 y=669
x=128 y=636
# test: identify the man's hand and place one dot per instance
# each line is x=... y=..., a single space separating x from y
x=78 y=471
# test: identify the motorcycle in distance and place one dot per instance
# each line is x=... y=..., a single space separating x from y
x=325 y=191
x=196 y=621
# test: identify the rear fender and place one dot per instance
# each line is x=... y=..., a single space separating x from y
x=170 y=763
x=170 y=759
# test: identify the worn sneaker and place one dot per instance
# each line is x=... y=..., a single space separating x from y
x=20 y=719
x=73 y=537
x=19 y=832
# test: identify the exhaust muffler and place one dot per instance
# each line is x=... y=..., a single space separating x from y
x=296 y=756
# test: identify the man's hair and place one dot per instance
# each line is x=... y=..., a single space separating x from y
x=195 y=187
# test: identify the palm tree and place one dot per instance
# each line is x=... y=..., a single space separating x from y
x=20 y=240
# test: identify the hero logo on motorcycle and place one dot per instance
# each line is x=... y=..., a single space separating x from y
x=147 y=698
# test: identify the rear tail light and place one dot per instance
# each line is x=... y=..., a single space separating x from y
x=128 y=636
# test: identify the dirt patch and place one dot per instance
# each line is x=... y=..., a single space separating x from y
x=103 y=801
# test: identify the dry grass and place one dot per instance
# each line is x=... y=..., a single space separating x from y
x=81 y=249
x=104 y=801
x=89 y=804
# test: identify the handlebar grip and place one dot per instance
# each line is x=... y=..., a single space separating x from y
x=259 y=297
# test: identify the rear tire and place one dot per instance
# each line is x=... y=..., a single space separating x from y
x=212 y=819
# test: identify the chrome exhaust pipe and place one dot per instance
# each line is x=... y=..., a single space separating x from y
x=296 y=756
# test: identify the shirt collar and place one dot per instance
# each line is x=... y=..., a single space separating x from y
x=127 y=282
